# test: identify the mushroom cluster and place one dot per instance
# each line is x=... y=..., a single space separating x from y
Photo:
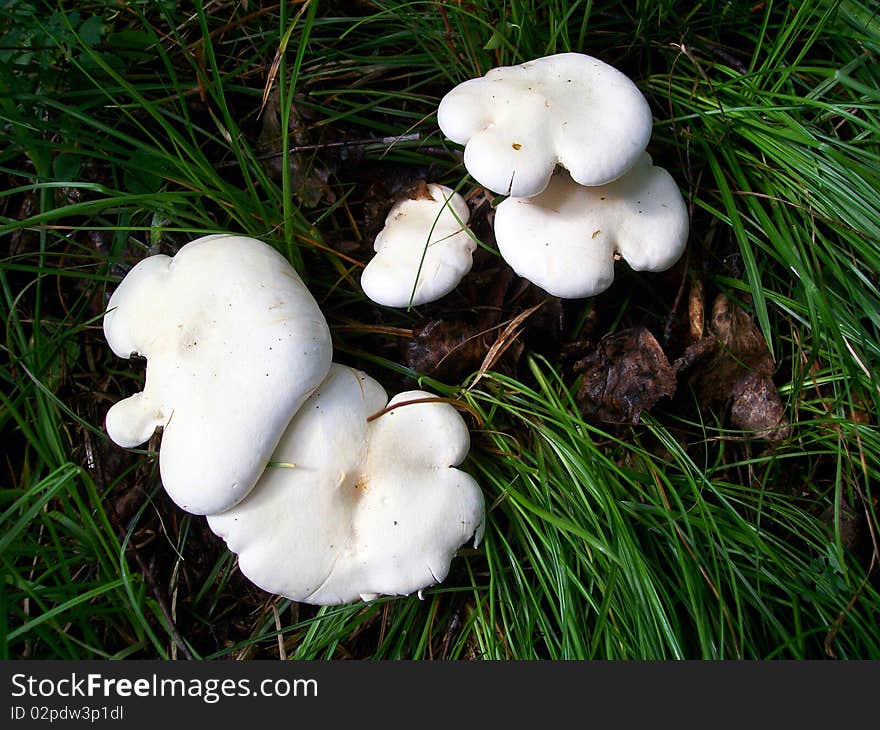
x=325 y=489
x=564 y=137
x=366 y=506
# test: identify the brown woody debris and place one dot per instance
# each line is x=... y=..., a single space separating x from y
x=446 y=349
x=737 y=372
x=627 y=374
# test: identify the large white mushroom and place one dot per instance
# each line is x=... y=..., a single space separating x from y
x=566 y=239
x=518 y=122
x=234 y=344
x=351 y=508
x=423 y=251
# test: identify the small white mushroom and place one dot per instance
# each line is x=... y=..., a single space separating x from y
x=566 y=239
x=423 y=251
x=518 y=122
x=354 y=508
x=234 y=344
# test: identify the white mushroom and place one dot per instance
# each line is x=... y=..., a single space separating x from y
x=518 y=122
x=565 y=240
x=354 y=508
x=423 y=251
x=234 y=344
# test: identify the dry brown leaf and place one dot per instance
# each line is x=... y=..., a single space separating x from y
x=737 y=372
x=445 y=349
x=509 y=336
x=626 y=375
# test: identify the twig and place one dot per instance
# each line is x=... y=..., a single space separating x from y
x=507 y=337
x=387 y=141
x=282 y=653
x=432 y=399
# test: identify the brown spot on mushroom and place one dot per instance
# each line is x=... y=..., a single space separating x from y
x=361 y=485
x=516 y=146
x=595 y=234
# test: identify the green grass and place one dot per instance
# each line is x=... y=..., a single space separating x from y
x=130 y=128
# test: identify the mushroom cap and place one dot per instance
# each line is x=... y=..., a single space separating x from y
x=234 y=344
x=351 y=508
x=518 y=122
x=423 y=237
x=565 y=239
